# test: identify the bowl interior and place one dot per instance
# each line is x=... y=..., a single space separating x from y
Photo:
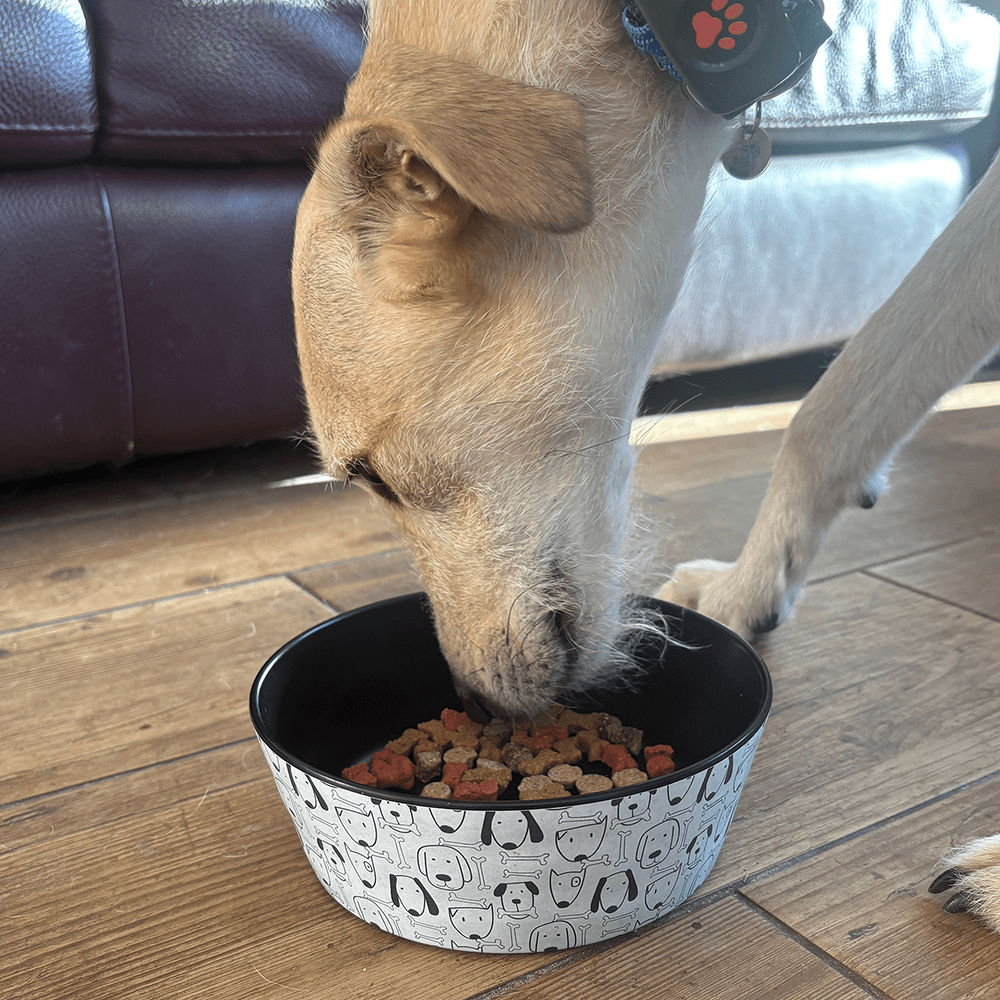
x=337 y=693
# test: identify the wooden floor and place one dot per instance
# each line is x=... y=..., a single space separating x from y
x=144 y=852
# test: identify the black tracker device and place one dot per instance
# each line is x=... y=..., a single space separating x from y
x=729 y=54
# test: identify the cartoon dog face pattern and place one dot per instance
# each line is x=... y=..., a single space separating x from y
x=509 y=880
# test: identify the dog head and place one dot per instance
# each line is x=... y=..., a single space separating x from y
x=447 y=290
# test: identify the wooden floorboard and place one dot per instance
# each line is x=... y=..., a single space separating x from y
x=144 y=852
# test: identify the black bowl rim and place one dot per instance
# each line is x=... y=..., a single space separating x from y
x=390 y=795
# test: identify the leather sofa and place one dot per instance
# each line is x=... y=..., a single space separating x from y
x=152 y=154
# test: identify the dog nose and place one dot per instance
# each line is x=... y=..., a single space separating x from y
x=476 y=710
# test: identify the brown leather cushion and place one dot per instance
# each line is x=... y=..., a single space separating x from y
x=222 y=81
x=48 y=107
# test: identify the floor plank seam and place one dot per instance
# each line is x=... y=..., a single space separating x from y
x=934 y=597
x=292 y=579
x=814 y=852
x=814 y=949
x=163 y=599
x=28 y=800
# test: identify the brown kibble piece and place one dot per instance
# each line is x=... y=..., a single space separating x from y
x=514 y=754
x=461 y=755
x=632 y=740
x=465 y=737
x=436 y=790
x=429 y=746
x=585 y=738
x=589 y=784
x=428 y=765
x=488 y=750
x=566 y=775
x=540 y=763
x=539 y=786
x=501 y=772
x=406 y=742
x=477 y=774
x=630 y=776
x=609 y=727
x=576 y=722
x=476 y=791
x=437 y=731
x=568 y=750
x=596 y=751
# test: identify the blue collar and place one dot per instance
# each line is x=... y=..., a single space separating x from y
x=645 y=41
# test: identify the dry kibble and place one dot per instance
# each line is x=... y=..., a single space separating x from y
x=660 y=765
x=618 y=758
x=630 y=776
x=609 y=727
x=559 y=752
x=540 y=786
x=632 y=740
x=476 y=791
x=513 y=754
x=576 y=722
x=540 y=763
x=501 y=772
x=568 y=750
x=488 y=750
x=589 y=784
x=461 y=755
x=406 y=742
x=436 y=790
x=566 y=775
x=484 y=773
x=428 y=765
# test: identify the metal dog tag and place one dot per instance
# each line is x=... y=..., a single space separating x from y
x=750 y=152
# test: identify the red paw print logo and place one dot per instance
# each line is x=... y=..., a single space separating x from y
x=723 y=31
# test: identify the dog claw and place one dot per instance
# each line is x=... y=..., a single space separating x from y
x=946 y=880
x=867 y=500
x=768 y=624
x=959 y=903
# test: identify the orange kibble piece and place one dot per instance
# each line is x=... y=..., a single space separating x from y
x=659 y=765
x=476 y=791
x=393 y=770
x=360 y=774
x=617 y=758
x=451 y=773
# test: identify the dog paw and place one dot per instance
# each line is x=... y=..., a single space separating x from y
x=715 y=589
x=973 y=878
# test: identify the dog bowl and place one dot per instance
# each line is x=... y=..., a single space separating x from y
x=505 y=876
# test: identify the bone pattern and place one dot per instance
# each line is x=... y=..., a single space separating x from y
x=508 y=879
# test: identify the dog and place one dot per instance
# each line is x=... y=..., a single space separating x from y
x=494 y=233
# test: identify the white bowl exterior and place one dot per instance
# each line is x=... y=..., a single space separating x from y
x=502 y=881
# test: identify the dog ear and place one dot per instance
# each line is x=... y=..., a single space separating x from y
x=433 y=128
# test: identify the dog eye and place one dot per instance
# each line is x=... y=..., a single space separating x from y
x=360 y=469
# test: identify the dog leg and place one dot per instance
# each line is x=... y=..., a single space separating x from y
x=974 y=873
x=938 y=327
